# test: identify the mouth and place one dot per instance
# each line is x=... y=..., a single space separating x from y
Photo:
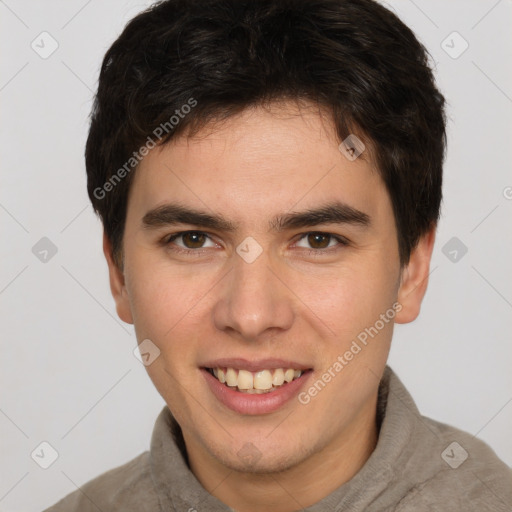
x=253 y=388
x=255 y=383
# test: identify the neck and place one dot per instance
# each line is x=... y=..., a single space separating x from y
x=299 y=486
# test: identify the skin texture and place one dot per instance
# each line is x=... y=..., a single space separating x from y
x=287 y=304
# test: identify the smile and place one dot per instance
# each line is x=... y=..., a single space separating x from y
x=255 y=387
x=263 y=381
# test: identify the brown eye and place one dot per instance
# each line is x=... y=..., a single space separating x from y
x=319 y=243
x=193 y=239
x=319 y=240
x=189 y=242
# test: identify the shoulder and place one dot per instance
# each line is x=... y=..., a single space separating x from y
x=465 y=474
x=126 y=488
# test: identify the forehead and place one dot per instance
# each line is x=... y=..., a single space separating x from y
x=262 y=161
x=281 y=132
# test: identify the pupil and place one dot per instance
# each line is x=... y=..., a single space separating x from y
x=318 y=240
x=193 y=240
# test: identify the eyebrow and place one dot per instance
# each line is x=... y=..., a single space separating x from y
x=332 y=213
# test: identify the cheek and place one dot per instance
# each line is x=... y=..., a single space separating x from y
x=349 y=298
x=166 y=303
x=357 y=305
x=167 y=308
x=161 y=293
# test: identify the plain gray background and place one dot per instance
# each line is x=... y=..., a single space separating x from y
x=68 y=373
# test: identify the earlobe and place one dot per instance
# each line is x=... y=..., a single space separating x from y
x=414 y=279
x=117 y=284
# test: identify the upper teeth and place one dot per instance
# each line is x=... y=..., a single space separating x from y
x=255 y=382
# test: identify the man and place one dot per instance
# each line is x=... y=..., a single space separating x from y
x=268 y=175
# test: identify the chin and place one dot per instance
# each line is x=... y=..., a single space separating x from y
x=265 y=465
x=262 y=456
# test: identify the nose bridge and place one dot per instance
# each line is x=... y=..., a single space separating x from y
x=252 y=300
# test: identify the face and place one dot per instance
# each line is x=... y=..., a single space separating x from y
x=256 y=253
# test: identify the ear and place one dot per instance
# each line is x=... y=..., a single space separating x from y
x=414 y=279
x=117 y=284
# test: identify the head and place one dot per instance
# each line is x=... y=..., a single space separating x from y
x=239 y=230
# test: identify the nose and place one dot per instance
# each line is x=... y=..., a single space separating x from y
x=253 y=303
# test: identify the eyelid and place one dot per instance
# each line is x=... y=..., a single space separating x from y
x=342 y=242
x=170 y=238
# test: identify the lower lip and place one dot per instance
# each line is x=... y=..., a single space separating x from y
x=245 y=403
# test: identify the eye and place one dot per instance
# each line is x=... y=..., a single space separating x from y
x=318 y=241
x=190 y=240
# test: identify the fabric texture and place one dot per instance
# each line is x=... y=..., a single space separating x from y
x=418 y=465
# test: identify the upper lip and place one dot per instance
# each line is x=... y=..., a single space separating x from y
x=254 y=365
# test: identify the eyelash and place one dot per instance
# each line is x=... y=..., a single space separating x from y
x=342 y=241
